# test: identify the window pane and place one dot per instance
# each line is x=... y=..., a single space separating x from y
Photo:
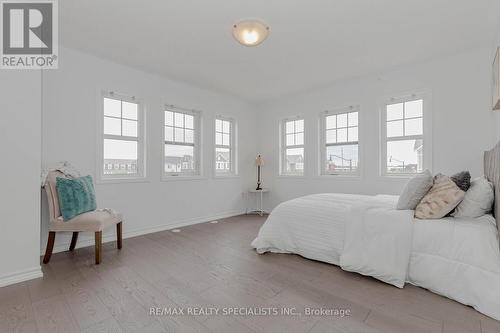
x=179 y=119
x=342 y=135
x=342 y=120
x=169 y=118
x=222 y=160
x=331 y=136
x=290 y=128
x=189 y=121
x=225 y=139
x=352 y=134
x=218 y=138
x=179 y=158
x=290 y=140
x=342 y=158
x=353 y=119
x=413 y=126
x=405 y=156
x=179 y=135
x=112 y=126
x=169 y=133
x=294 y=160
x=120 y=149
x=394 y=128
x=331 y=122
x=129 y=128
x=129 y=110
x=414 y=108
x=225 y=127
x=394 y=111
x=218 y=125
x=189 y=136
x=112 y=107
x=299 y=125
x=299 y=138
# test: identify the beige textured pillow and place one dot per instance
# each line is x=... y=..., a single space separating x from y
x=441 y=199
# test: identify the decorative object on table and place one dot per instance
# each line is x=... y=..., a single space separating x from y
x=80 y=191
x=496 y=81
x=259 y=161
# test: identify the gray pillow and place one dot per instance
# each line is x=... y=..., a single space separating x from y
x=415 y=190
x=462 y=179
x=478 y=199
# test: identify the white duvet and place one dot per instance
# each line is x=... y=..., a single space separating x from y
x=457 y=258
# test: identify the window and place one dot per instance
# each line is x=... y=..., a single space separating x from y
x=403 y=134
x=339 y=141
x=225 y=146
x=292 y=147
x=122 y=137
x=181 y=142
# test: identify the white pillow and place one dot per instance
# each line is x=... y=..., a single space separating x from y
x=415 y=190
x=478 y=199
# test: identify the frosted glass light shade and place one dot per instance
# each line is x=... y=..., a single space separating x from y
x=250 y=32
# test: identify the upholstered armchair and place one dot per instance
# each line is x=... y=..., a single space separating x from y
x=94 y=221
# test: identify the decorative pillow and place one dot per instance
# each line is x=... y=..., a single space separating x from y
x=441 y=199
x=462 y=179
x=478 y=199
x=76 y=196
x=415 y=190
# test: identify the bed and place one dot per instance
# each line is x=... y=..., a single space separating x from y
x=455 y=257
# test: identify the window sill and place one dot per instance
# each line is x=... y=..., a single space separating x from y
x=229 y=176
x=339 y=177
x=181 y=178
x=292 y=176
x=104 y=181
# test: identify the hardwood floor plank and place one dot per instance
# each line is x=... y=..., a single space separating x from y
x=16 y=313
x=213 y=265
x=53 y=316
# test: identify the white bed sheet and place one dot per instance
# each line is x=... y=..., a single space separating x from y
x=457 y=258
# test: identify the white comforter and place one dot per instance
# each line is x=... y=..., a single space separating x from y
x=457 y=258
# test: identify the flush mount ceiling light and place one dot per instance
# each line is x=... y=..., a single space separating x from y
x=250 y=32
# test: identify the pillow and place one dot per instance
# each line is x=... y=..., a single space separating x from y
x=441 y=199
x=415 y=190
x=478 y=199
x=76 y=196
x=462 y=179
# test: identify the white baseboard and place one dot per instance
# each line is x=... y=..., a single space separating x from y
x=21 y=276
x=138 y=232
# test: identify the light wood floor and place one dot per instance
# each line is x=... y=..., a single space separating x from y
x=213 y=265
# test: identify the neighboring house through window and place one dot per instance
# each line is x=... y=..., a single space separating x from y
x=122 y=144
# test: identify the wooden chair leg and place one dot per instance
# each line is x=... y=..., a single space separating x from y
x=98 y=245
x=50 y=247
x=119 y=236
x=73 y=241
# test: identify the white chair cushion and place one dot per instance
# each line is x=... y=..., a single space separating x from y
x=89 y=221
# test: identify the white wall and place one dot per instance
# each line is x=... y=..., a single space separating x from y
x=70 y=131
x=460 y=88
x=20 y=127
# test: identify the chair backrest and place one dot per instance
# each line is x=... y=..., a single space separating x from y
x=53 y=199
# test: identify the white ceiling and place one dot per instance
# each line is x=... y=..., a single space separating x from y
x=312 y=42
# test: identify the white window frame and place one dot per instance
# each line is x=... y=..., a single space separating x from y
x=197 y=144
x=233 y=149
x=283 y=147
x=141 y=138
x=324 y=145
x=426 y=136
